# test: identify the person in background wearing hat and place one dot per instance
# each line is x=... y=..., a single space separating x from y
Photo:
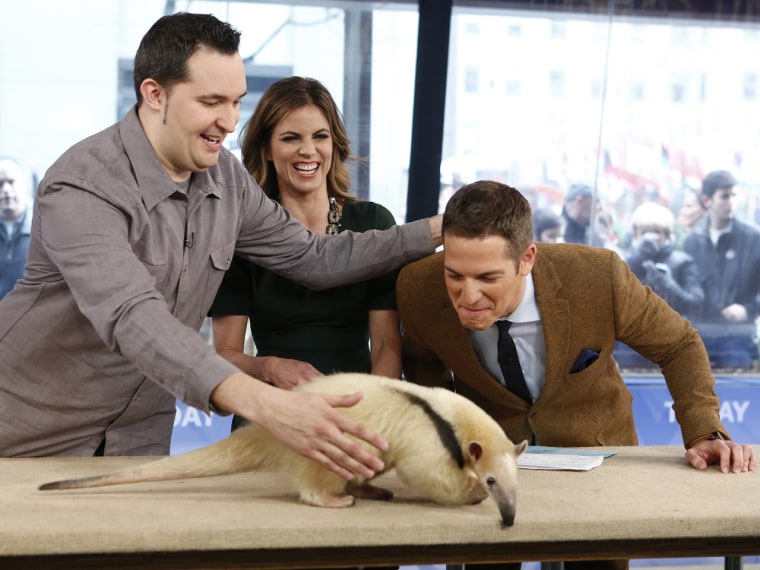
x=577 y=212
x=671 y=273
x=727 y=253
x=548 y=226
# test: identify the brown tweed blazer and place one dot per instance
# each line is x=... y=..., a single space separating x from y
x=588 y=298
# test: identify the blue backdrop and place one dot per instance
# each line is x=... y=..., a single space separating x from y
x=656 y=422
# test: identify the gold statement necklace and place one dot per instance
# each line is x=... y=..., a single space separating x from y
x=334 y=218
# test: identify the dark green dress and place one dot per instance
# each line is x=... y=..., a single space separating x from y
x=328 y=329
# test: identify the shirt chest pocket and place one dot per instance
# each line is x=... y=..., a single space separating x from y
x=220 y=260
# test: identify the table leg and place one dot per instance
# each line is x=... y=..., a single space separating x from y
x=734 y=563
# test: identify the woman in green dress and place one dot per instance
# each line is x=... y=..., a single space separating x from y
x=295 y=146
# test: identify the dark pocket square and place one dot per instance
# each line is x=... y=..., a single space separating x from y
x=585 y=359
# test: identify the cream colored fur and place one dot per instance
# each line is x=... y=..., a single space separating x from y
x=416 y=451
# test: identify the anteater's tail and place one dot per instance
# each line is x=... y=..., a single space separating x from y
x=246 y=449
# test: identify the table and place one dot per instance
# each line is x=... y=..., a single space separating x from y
x=645 y=502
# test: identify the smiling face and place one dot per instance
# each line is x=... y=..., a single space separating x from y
x=187 y=123
x=483 y=282
x=301 y=149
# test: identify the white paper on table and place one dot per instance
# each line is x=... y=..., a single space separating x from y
x=559 y=461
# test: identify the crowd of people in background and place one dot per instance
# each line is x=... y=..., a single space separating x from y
x=699 y=256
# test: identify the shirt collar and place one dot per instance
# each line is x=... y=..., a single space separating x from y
x=154 y=182
x=527 y=309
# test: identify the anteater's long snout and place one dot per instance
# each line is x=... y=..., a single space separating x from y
x=507 y=503
x=507 y=515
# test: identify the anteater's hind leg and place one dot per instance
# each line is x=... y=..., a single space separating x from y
x=322 y=488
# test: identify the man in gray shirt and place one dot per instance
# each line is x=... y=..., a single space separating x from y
x=132 y=231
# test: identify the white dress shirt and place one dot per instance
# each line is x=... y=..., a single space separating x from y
x=528 y=334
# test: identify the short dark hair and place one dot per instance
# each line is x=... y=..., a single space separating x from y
x=715 y=180
x=486 y=208
x=168 y=44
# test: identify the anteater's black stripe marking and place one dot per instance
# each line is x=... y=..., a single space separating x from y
x=445 y=429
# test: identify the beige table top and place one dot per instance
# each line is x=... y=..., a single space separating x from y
x=644 y=502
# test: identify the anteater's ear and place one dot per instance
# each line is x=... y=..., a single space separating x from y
x=521 y=447
x=475 y=450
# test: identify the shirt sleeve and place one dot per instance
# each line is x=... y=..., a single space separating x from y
x=274 y=239
x=382 y=290
x=646 y=323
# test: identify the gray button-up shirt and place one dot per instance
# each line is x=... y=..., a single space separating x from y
x=101 y=335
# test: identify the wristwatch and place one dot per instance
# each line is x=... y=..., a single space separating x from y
x=707 y=437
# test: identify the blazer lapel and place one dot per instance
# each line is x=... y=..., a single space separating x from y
x=555 y=319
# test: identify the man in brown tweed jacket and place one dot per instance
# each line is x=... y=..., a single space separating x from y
x=567 y=305
x=583 y=300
